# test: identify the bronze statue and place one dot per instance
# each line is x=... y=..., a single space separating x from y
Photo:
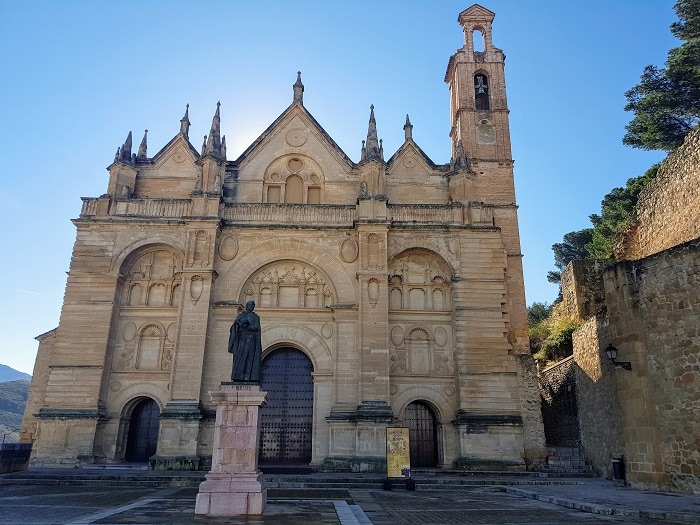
x=246 y=346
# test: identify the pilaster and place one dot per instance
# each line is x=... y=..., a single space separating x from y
x=180 y=418
x=373 y=337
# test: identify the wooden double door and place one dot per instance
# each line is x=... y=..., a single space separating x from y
x=286 y=423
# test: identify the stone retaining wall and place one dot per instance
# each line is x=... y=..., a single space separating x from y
x=596 y=394
x=654 y=314
x=667 y=210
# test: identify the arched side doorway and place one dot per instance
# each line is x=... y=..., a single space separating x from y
x=142 y=440
x=287 y=420
x=422 y=425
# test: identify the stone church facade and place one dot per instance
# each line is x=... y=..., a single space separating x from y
x=390 y=293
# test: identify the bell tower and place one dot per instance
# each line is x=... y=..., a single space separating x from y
x=479 y=109
x=482 y=162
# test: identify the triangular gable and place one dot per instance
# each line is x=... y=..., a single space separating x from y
x=163 y=153
x=295 y=109
x=477 y=12
x=172 y=173
x=410 y=147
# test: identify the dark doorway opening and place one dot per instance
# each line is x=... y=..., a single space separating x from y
x=422 y=434
x=142 y=440
x=287 y=420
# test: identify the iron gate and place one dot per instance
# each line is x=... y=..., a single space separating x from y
x=422 y=434
x=287 y=420
x=142 y=440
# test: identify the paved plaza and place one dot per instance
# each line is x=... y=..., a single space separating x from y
x=483 y=501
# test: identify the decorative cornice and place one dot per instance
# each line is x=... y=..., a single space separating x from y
x=487 y=420
x=70 y=413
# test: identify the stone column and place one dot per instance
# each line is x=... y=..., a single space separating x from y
x=234 y=485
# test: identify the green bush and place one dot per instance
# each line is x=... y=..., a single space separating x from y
x=551 y=338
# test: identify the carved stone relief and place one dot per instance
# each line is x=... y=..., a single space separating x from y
x=199 y=254
x=288 y=284
x=418 y=352
x=373 y=292
x=149 y=280
x=446 y=248
x=196 y=288
x=150 y=288
x=374 y=259
x=293 y=178
x=228 y=248
x=327 y=331
x=150 y=351
x=296 y=137
x=349 y=250
x=419 y=280
x=129 y=332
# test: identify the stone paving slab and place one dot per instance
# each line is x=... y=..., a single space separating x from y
x=551 y=503
x=610 y=498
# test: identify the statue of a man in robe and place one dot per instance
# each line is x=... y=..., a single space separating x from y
x=246 y=346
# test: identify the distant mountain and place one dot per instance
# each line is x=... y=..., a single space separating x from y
x=10 y=374
x=13 y=399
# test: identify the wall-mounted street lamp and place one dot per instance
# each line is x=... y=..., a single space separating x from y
x=612 y=354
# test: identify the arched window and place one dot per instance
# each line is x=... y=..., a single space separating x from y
x=478 y=40
x=294 y=190
x=293 y=179
x=481 y=92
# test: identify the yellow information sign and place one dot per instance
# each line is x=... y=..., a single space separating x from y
x=398 y=453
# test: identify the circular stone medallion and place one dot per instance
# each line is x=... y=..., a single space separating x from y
x=296 y=137
x=179 y=156
x=327 y=330
x=440 y=336
x=228 y=248
x=128 y=331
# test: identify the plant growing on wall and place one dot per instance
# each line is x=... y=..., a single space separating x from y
x=551 y=337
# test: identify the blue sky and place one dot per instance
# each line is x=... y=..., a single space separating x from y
x=77 y=76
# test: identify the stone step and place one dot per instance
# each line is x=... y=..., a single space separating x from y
x=315 y=481
x=566 y=461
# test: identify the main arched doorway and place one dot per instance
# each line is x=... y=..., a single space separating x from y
x=287 y=420
x=142 y=440
x=422 y=434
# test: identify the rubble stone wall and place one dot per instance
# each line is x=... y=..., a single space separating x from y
x=596 y=395
x=582 y=288
x=667 y=210
x=654 y=315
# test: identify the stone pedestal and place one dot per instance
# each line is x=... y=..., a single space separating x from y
x=234 y=485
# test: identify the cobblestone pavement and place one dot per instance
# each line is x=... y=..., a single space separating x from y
x=83 y=505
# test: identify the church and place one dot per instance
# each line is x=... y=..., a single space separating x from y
x=390 y=293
